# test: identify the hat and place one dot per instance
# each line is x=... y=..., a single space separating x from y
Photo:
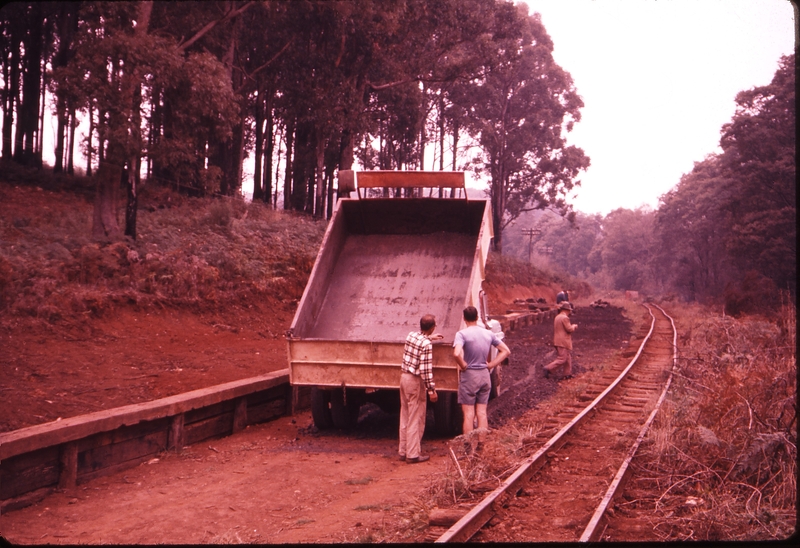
x=564 y=305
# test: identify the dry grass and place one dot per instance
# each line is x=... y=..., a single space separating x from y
x=721 y=463
x=201 y=253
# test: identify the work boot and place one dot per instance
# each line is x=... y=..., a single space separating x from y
x=414 y=460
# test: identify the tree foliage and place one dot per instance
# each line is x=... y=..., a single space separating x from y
x=520 y=111
x=759 y=151
x=190 y=89
x=730 y=225
x=726 y=233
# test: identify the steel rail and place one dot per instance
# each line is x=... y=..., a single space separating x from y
x=479 y=515
x=590 y=533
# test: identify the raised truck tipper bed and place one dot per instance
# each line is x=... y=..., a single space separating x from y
x=383 y=264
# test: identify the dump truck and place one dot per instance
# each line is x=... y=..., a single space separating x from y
x=410 y=243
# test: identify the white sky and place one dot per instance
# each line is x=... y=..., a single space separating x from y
x=658 y=80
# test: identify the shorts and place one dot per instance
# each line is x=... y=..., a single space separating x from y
x=474 y=386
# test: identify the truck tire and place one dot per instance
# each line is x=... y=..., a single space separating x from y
x=447 y=415
x=387 y=400
x=344 y=411
x=321 y=408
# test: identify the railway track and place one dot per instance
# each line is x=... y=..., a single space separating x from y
x=562 y=493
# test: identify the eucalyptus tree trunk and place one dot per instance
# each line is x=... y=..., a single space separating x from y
x=269 y=134
x=73 y=124
x=134 y=166
x=329 y=169
x=10 y=98
x=258 y=189
x=300 y=167
x=287 y=176
x=123 y=124
x=61 y=115
x=319 y=177
x=89 y=147
x=455 y=154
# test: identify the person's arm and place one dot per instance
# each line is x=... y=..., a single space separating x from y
x=426 y=370
x=502 y=353
x=570 y=327
x=458 y=354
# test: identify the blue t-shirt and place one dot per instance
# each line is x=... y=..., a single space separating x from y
x=477 y=341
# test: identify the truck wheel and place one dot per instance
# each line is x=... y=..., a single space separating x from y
x=345 y=416
x=447 y=415
x=387 y=400
x=321 y=408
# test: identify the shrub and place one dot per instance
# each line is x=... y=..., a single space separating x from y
x=725 y=465
x=753 y=294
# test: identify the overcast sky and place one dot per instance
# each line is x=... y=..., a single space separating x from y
x=658 y=80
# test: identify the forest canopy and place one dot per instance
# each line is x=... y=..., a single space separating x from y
x=185 y=91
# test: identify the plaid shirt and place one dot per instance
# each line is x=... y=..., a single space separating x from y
x=418 y=358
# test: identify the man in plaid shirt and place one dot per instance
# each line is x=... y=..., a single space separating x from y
x=416 y=380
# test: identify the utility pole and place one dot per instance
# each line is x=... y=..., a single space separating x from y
x=530 y=233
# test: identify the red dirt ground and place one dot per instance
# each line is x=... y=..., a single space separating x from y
x=131 y=357
x=280 y=482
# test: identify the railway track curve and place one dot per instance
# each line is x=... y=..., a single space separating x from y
x=563 y=491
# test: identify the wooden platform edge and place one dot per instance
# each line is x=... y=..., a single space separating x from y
x=59 y=455
x=37 y=437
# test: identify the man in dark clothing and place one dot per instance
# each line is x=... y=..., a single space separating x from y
x=562 y=340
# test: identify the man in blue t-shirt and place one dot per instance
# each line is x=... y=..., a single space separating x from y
x=472 y=347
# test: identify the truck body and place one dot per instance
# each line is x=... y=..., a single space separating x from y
x=383 y=264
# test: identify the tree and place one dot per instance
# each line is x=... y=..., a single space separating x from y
x=519 y=111
x=733 y=218
x=192 y=88
x=759 y=151
x=118 y=66
x=67 y=26
x=626 y=248
x=691 y=231
x=26 y=42
x=12 y=35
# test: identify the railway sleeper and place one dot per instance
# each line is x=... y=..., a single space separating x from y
x=642 y=391
x=635 y=401
x=652 y=386
x=612 y=409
